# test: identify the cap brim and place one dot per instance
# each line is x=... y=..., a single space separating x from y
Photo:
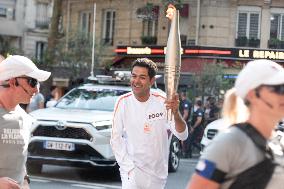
x=39 y=75
x=277 y=79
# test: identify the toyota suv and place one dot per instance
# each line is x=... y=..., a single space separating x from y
x=76 y=130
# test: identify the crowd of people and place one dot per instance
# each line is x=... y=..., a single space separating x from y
x=197 y=117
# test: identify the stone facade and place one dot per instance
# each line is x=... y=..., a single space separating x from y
x=217 y=23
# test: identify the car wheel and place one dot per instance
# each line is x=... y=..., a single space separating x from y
x=174 y=156
x=34 y=168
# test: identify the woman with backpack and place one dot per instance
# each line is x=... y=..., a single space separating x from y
x=240 y=157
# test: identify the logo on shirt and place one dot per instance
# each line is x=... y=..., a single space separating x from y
x=147 y=128
x=12 y=136
x=155 y=115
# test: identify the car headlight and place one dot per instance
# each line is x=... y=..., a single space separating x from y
x=102 y=125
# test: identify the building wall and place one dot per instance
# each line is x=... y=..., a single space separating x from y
x=217 y=27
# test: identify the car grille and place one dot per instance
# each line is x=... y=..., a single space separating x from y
x=69 y=132
x=211 y=133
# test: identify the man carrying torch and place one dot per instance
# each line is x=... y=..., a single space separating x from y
x=140 y=140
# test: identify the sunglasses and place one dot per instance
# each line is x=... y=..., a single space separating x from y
x=31 y=81
x=278 y=89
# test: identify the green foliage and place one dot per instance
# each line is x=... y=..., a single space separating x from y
x=6 y=48
x=209 y=81
x=177 y=3
x=74 y=55
x=149 y=40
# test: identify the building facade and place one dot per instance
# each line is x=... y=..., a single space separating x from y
x=240 y=24
x=24 y=25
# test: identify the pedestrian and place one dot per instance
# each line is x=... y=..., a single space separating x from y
x=196 y=128
x=19 y=80
x=53 y=97
x=185 y=110
x=213 y=113
x=37 y=102
x=240 y=156
x=140 y=130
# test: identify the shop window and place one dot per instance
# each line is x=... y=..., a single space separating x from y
x=108 y=27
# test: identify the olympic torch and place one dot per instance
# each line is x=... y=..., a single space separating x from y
x=173 y=56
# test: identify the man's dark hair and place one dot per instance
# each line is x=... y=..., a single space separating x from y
x=199 y=102
x=146 y=63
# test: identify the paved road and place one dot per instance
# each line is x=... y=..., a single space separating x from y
x=56 y=177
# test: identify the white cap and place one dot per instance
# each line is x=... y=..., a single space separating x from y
x=257 y=73
x=15 y=66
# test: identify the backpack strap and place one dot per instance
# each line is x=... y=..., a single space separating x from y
x=256 y=137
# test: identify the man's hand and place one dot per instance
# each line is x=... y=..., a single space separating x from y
x=8 y=183
x=173 y=104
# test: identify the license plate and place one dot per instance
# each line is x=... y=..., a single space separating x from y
x=66 y=146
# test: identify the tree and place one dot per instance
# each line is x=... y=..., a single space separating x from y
x=209 y=80
x=53 y=35
x=177 y=3
x=6 y=48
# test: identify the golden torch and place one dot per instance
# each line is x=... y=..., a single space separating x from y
x=173 y=56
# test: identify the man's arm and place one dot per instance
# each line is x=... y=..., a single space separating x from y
x=179 y=122
x=196 y=124
x=185 y=114
x=199 y=182
x=180 y=125
x=8 y=183
x=118 y=142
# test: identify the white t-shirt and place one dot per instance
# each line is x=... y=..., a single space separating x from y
x=14 y=139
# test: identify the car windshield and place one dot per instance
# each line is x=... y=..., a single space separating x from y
x=91 y=99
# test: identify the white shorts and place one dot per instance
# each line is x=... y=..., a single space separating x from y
x=138 y=179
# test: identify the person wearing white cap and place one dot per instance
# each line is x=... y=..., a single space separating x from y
x=240 y=157
x=19 y=79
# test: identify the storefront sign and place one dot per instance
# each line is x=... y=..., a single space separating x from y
x=207 y=52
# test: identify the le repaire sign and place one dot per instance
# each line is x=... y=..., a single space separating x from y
x=261 y=54
x=203 y=51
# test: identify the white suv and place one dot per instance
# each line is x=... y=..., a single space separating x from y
x=76 y=131
x=211 y=130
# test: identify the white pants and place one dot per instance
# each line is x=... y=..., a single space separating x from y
x=138 y=179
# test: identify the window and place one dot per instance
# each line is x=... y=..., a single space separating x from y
x=7 y=13
x=108 y=26
x=150 y=28
x=277 y=24
x=42 y=17
x=85 y=22
x=248 y=25
x=3 y=12
x=40 y=49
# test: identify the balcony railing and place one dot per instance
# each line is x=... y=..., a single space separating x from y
x=107 y=41
x=244 y=42
x=42 y=24
x=274 y=43
x=149 y=40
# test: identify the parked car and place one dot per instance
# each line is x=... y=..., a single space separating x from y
x=211 y=130
x=217 y=126
x=77 y=130
x=280 y=126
